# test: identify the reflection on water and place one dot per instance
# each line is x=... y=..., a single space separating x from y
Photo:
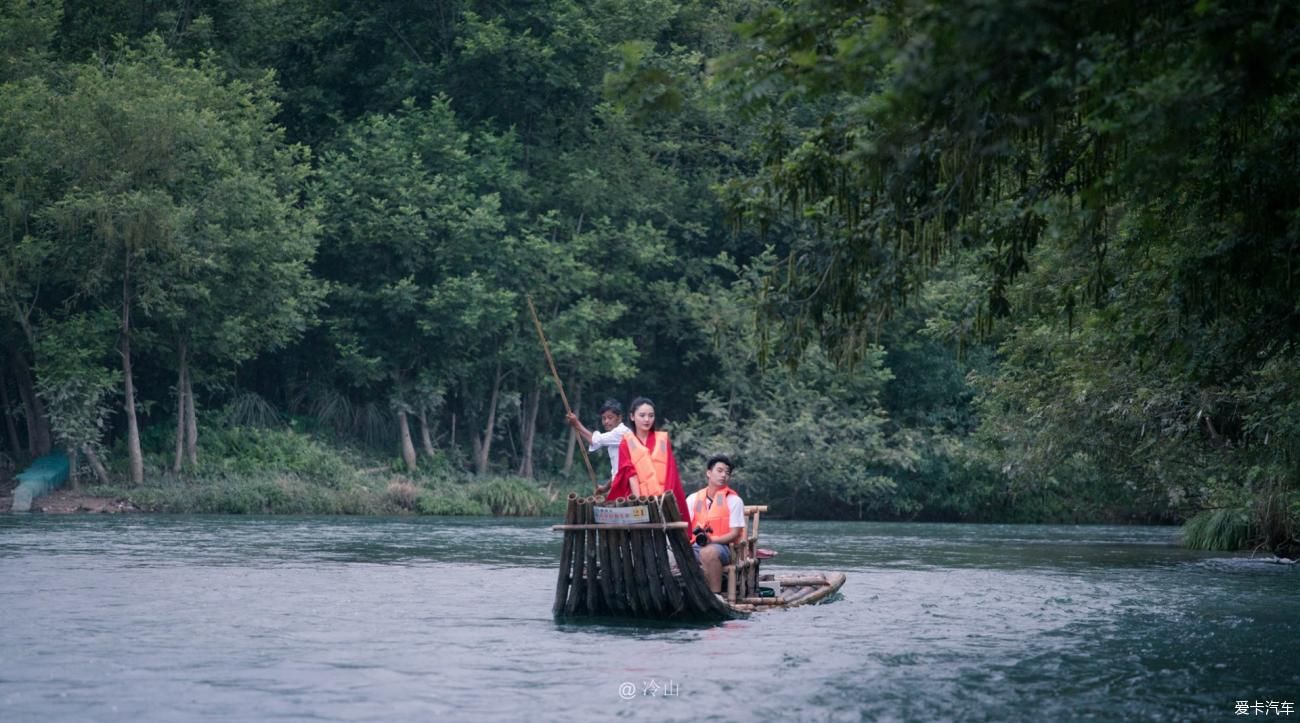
x=226 y=618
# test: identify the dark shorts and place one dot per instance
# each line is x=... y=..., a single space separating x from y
x=724 y=552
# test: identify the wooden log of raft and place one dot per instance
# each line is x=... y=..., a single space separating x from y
x=672 y=588
x=640 y=574
x=797 y=593
x=608 y=587
x=801 y=581
x=562 y=580
x=692 y=574
x=593 y=574
x=573 y=603
x=695 y=589
x=646 y=547
x=610 y=526
x=834 y=582
x=631 y=596
x=635 y=594
x=761 y=601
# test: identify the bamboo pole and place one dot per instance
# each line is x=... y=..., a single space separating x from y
x=612 y=602
x=612 y=565
x=694 y=585
x=558 y=384
x=612 y=526
x=593 y=575
x=566 y=559
x=673 y=588
x=673 y=582
x=802 y=581
x=835 y=581
x=579 y=552
x=645 y=546
x=798 y=593
x=640 y=582
x=641 y=574
x=633 y=592
x=625 y=603
x=761 y=601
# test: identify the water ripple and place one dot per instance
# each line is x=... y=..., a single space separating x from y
x=220 y=618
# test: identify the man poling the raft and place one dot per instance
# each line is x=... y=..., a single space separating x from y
x=611 y=418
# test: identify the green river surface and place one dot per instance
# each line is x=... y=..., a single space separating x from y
x=161 y=618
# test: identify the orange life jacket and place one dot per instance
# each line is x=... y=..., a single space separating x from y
x=651 y=464
x=717 y=517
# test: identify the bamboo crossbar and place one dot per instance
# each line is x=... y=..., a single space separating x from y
x=645 y=526
x=803 y=581
x=761 y=601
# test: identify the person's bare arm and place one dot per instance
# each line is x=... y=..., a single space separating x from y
x=583 y=432
x=726 y=539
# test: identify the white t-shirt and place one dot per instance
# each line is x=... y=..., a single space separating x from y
x=609 y=440
x=735 y=508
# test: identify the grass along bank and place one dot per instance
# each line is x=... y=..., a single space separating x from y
x=251 y=470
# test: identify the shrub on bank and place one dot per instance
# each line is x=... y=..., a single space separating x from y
x=510 y=497
x=1220 y=529
x=251 y=496
x=281 y=470
x=430 y=503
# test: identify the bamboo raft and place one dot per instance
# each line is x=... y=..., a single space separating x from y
x=647 y=569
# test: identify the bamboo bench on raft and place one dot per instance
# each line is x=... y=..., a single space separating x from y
x=645 y=567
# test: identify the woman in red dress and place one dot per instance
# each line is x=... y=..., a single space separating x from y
x=646 y=465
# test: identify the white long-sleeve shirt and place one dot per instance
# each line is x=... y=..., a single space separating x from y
x=609 y=440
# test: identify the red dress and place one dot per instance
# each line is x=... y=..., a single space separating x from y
x=621 y=485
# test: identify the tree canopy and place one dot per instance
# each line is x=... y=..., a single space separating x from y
x=1015 y=259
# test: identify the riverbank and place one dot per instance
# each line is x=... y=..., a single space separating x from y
x=245 y=470
x=500 y=497
x=66 y=501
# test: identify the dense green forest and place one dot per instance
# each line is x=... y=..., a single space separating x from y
x=1015 y=260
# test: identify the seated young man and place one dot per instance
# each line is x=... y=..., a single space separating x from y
x=717 y=519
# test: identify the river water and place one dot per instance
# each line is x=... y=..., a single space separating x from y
x=157 y=618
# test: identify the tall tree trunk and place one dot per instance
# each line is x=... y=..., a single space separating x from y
x=73 y=477
x=573 y=433
x=426 y=436
x=483 y=445
x=38 y=425
x=528 y=431
x=9 y=418
x=191 y=421
x=408 y=449
x=132 y=424
x=180 y=409
x=101 y=474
